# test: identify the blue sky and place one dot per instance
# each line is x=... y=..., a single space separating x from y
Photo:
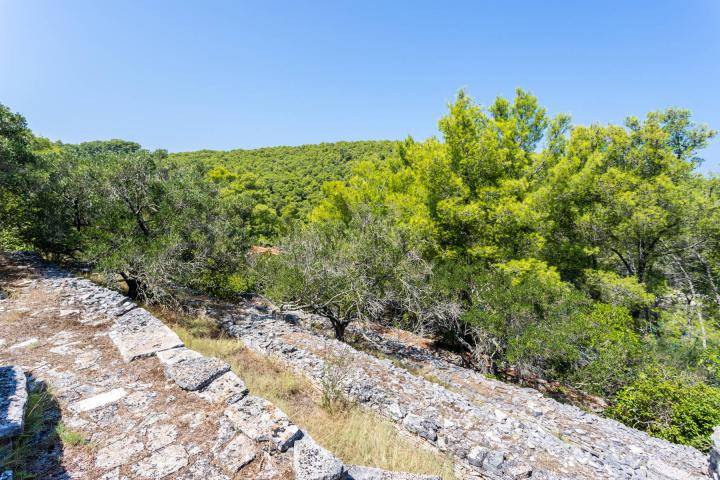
x=189 y=75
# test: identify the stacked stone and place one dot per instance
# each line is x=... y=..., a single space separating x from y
x=259 y=426
x=138 y=334
x=13 y=401
x=500 y=432
x=516 y=434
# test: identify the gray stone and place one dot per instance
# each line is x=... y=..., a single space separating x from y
x=6 y=475
x=13 y=400
x=714 y=460
x=196 y=373
x=162 y=462
x=227 y=388
x=27 y=343
x=493 y=460
x=518 y=471
x=118 y=452
x=356 y=472
x=657 y=469
x=476 y=456
x=395 y=411
x=313 y=462
x=159 y=436
x=112 y=474
x=87 y=359
x=203 y=470
x=263 y=422
x=175 y=355
x=424 y=427
x=97 y=401
x=237 y=453
x=272 y=467
x=138 y=334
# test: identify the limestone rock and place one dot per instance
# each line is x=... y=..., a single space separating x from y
x=356 y=472
x=196 y=373
x=118 y=453
x=24 y=344
x=657 y=469
x=98 y=401
x=175 y=355
x=518 y=471
x=13 y=400
x=162 y=463
x=160 y=436
x=424 y=427
x=263 y=422
x=112 y=474
x=715 y=455
x=138 y=334
x=494 y=460
x=477 y=455
x=202 y=469
x=227 y=388
x=236 y=454
x=313 y=462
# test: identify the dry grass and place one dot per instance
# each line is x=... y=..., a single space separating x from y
x=355 y=435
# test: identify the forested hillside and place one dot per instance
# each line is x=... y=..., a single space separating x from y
x=584 y=254
x=288 y=180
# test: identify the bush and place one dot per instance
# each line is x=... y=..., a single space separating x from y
x=614 y=289
x=675 y=409
x=366 y=270
x=611 y=352
x=518 y=314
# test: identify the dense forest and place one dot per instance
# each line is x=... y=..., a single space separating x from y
x=589 y=255
x=287 y=180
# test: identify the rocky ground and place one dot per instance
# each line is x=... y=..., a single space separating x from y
x=123 y=399
x=493 y=429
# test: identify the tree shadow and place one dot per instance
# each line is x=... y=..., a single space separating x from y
x=37 y=452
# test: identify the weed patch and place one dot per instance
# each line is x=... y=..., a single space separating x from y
x=71 y=437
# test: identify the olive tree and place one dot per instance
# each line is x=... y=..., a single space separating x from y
x=364 y=270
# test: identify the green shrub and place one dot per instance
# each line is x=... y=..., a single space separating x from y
x=609 y=287
x=610 y=350
x=675 y=409
x=225 y=285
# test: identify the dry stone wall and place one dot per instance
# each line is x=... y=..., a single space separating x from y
x=517 y=433
x=13 y=399
x=92 y=345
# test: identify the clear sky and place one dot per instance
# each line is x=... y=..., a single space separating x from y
x=187 y=75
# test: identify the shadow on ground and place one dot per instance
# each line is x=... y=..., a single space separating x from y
x=38 y=451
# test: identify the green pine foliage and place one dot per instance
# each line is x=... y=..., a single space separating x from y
x=286 y=182
x=670 y=407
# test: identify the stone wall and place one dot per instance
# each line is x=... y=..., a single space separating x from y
x=252 y=431
x=494 y=430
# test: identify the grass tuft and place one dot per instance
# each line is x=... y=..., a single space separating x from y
x=71 y=437
x=16 y=454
